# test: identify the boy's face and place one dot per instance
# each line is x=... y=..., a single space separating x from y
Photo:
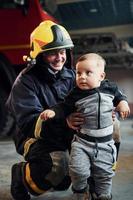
x=55 y=58
x=88 y=74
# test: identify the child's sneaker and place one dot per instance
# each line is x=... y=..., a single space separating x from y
x=80 y=196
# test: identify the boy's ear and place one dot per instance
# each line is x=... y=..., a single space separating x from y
x=103 y=76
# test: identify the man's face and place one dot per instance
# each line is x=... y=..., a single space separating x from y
x=55 y=58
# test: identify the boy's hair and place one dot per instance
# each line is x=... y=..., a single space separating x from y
x=100 y=59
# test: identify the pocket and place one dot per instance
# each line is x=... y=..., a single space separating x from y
x=113 y=152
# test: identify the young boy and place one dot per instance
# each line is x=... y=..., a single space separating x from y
x=93 y=152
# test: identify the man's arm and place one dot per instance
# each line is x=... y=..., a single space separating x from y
x=75 y=120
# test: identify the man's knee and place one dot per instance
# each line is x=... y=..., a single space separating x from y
x=59 y=169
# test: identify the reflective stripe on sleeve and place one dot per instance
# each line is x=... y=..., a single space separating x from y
x=27 y=145
x=38 y=127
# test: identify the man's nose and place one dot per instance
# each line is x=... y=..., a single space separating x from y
x=58 y=55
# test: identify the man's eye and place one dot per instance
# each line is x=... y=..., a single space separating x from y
x=78 y=73
x=63 y=51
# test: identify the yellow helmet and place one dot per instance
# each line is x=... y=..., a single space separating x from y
x=48 y=36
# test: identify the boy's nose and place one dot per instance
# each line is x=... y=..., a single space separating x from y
x=83 y=76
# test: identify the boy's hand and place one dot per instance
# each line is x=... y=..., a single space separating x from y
x=124 y=114
x=123 y=109
x=47 y=114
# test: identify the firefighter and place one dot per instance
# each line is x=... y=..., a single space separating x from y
x=45 y=81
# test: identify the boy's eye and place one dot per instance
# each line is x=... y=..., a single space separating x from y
x=88 y=72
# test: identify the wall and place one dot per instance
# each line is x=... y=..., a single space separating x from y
x=121 y=31
x=124 y=79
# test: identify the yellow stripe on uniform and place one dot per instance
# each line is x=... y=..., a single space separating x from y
x=38 y=127
x=27 y=145
x=31 y=183
x=114 y=166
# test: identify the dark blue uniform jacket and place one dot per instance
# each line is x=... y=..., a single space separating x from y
x=35 y=90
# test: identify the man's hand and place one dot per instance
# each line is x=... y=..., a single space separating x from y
x=113 y=115
x=47 y=114
x=75 y=120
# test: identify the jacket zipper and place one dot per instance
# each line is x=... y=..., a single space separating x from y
x=99 y=101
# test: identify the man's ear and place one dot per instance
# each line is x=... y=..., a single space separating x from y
x=103 y=76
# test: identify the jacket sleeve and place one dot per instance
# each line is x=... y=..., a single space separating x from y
x=65 y=108
x=57 y=125
x=24 y=105
x=118 y=96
